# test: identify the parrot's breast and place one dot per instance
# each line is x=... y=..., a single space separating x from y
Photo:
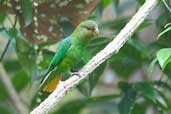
x=72 y=57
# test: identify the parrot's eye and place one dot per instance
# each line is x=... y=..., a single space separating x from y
x=92 y=28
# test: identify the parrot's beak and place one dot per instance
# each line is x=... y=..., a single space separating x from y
x=96 y=31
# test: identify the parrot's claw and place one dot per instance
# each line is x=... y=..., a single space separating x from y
x=75 y=73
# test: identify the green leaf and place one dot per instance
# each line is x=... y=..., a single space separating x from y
x=12 y=65
x=99 y=41
x=86 y=87
x=3 y=95
x=139 y=47
x=2 y=17
x=141 y=2
x=12 y=33
x=94 y=77
x=128 y=101
x=162 y=101
x=147 y=91
x=139 y=109
x=105 y=3
x=26 y=55
x=164 y=31
x=20 y=80
x=167 y=25
x=78 y=105
x=151 y=67
x=129 y=59
x=116 y=24
x=164 y=57
x=27 y=11
x=144 y=25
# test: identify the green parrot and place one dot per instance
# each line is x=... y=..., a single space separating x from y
x=70 y=51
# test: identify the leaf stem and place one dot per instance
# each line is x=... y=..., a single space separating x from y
x=5 y=50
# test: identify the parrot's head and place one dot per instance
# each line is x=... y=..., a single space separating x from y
x=87 y=29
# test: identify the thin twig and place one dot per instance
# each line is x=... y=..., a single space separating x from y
x=5 y=50
x=113 y=47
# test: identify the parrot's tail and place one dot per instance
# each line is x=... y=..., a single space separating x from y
x=50 y=87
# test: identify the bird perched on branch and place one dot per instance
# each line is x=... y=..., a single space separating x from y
x=69 y=52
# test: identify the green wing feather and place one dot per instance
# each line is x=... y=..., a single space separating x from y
x=61 y=51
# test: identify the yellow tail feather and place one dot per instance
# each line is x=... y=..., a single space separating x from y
x=50 y=87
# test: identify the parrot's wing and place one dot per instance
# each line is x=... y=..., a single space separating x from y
x=61 y=51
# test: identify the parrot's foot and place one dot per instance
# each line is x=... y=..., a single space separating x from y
x=75 y=73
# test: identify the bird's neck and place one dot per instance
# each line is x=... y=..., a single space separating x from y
x=81 y=40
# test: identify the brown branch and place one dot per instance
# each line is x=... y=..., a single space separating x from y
x=4 y=9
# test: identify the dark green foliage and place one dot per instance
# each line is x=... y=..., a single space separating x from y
x=130 y=58
x=99 y=103
x=26 y=55
x=128 y=100
x=2 y=17
x=86 y=87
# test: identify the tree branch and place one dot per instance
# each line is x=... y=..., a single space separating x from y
x=11 y=92
x=113 y=47
x=4 y=9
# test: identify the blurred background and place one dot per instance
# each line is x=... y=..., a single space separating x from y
x=136 y=80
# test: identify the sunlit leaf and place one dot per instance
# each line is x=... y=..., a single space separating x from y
x=162 y=100
x=164 y=57
x=164 y=31
x=167 y=25
x=105 y=3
